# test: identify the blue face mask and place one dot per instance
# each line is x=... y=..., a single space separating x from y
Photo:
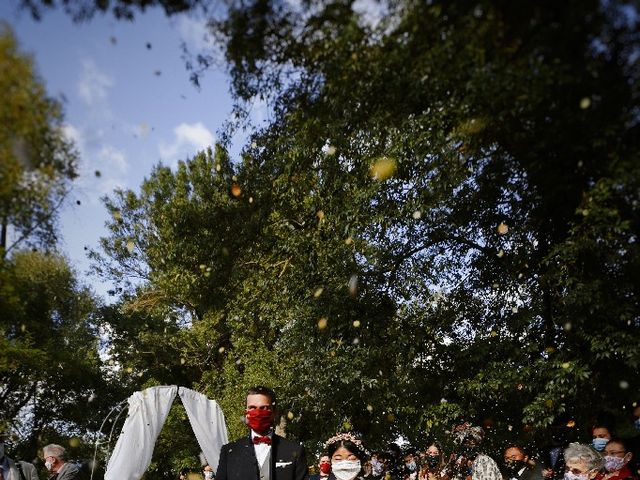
x=636 y=423
x=599 y=443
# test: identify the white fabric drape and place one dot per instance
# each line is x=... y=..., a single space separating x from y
x=207 y=422
x=148 y=411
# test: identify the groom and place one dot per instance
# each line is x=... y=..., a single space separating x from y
x=261 y=455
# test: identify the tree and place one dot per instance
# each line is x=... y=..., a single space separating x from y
x=50 y=370
x=441 y=220
x=37 y=161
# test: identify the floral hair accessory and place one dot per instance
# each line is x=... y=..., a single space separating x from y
x=346 y=436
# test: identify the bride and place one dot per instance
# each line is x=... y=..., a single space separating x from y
x=347 y=456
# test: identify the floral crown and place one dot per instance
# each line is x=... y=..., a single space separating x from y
x=345 y=436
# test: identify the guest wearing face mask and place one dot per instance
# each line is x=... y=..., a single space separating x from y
x=470 y=462
x=410 y=466
x=600 y=434
x=616 y=461
x=15 y=470
x=324 y=467
x=347 y=456
x=380 y=466
x=517 y=465
x=433 y=463
x=55 y=460
x=581 y=462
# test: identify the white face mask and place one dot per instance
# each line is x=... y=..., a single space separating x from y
x=346 y=469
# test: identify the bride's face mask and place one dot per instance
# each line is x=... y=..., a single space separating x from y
x=344 y=464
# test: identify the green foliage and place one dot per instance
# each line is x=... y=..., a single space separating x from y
x=37 y=162
x=441 y=220
x=49 y=365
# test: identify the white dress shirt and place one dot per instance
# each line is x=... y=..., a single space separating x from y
x=262 y=449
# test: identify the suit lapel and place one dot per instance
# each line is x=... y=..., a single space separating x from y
x=250 y=453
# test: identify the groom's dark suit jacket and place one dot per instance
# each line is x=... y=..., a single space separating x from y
x=238 y=460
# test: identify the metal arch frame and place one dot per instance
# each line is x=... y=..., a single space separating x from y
x=121 y=408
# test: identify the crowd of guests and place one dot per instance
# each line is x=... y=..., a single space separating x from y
x=265 y=455
x=606 y=458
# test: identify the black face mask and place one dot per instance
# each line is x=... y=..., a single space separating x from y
x=432 y=460
x=512 y=467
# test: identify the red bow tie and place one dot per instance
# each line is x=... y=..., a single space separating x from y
x=257 y=440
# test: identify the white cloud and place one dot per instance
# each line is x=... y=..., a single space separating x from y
x=73 y=134
x=194 y=32
x=189 y=139
x=113 y=160
x=93 y=85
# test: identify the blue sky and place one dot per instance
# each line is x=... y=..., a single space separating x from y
x=128 y=105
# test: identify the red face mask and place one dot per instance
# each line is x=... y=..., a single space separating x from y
x=325 y=468
x=259 y=420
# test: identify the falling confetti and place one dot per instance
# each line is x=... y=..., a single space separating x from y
x=130 y=246
x=585 y=103
x=236 y=190
x=353 y=285
x=567 y=326
x=348 y=241
x=391 y=417
x=383 y=168
x=624 y=384
x=356 y=323
x=183 y=361
x=369 y=408
x=500 y=254
x=97 y=173
x=290 y=415
x=221 y=350
x=318 y=292
x=74 y=442
x=503 y=228
x=148 y=45
x=320 y=215
x=322 y=323
x=331 y=150
x=347 y=425
x=566 y=365
x=417 y=215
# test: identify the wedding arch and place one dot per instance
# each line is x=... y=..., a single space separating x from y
x=148 y=410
